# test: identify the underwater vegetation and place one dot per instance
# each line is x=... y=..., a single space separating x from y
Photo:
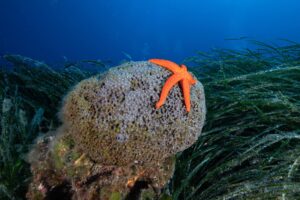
x=249 y=147
x=30 y=95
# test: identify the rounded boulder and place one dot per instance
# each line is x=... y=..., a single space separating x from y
x=114 y=120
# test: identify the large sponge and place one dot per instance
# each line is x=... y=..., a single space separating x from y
x=114 y=121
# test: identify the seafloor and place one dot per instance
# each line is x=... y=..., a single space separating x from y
x=249 y=147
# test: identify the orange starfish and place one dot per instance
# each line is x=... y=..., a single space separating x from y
x=180 y=74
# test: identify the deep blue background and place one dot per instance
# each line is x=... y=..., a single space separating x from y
x=173 y=29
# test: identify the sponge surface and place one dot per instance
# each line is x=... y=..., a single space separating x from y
x=113 y=117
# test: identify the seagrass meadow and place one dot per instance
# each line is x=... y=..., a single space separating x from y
x=250 y=145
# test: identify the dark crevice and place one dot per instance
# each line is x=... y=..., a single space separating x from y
x=62 y=191
x=136 y=190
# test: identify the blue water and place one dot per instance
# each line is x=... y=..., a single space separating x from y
x=50 y=30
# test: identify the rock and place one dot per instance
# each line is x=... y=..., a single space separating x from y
x=113 y=116
x=113 y=143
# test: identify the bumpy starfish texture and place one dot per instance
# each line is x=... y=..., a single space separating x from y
x=180 y=75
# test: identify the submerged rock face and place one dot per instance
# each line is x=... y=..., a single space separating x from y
x=113 y=143
x=113 y=116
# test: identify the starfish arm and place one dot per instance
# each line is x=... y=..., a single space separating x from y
x=166 y=89
x=186 y=93
x=193 y=81
x=173 y=67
